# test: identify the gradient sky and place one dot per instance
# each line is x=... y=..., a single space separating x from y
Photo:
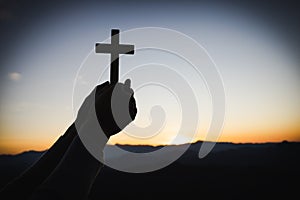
x=255 y=46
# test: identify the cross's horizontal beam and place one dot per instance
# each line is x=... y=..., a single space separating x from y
x=109 y=48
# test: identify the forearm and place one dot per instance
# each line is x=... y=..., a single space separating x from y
x=25 y=184
x=73 y=177
x=49 y=161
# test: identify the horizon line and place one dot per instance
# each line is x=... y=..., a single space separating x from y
x=148 y=145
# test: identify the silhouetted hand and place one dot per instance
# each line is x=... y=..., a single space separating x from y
x=114 y=105
x=68 y=170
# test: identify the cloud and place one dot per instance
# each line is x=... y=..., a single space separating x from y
x=14 y=76
x=82 y=81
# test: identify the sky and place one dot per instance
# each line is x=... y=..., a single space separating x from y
x=254 y=45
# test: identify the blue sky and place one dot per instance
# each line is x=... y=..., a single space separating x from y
x=254 y=46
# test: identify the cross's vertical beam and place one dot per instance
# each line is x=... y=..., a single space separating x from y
x=114 y=67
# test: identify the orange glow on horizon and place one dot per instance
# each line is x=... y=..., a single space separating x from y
x=15 y=140
x=15 y=146
x=19 y=146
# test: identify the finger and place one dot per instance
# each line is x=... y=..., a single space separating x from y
x=97 y=90
x=101 y=88
x=106 y=89
x=127 y=83
x=127 y=90
x=126 y=87
x=132 y=108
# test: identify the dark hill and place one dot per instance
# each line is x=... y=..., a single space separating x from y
x=230 y=171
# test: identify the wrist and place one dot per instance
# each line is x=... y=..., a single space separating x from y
x=92 y=136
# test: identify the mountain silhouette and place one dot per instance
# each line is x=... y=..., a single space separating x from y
x=230 y=171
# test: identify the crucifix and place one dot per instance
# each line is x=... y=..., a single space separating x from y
x=114 y=49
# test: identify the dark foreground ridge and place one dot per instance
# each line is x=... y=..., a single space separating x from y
x=230 y=171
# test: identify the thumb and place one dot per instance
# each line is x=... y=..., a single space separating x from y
x=127 y=82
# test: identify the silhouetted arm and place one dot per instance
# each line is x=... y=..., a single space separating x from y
x=73 y=177
x=23 y=186
x=75 y=174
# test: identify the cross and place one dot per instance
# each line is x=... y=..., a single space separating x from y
x=115 y=49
